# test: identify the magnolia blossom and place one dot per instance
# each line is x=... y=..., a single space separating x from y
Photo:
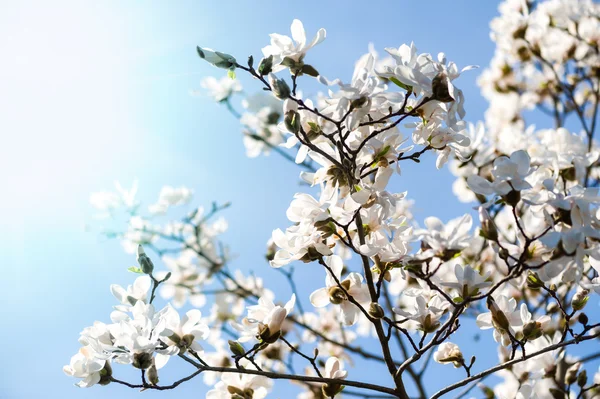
x=242 y=385
x=294 y=48
x=503 y=317
x=509 y=175
x=138 y=291
x=534 y=259
x=340 y=293
x=221 y=89
x=426 y=315
x=265 y=320
x=88 y=365
x=468 y=281
x=449 y=353
x=170 y=196
x=446 y=240
x=181 y=334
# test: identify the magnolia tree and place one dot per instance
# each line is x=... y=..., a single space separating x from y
x=524 y=273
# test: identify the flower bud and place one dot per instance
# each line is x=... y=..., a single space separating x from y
x=580 y=299
x=571 y=374
x=487 y=391
x=236 y=348
x=280 y=88
x=144 y=261
x=488 y=228
x=265 y=66
x=583 y=319
x=533 y=281
x=376 y=311
x=218 y=59
x=292 y=121
x=498 y=317
x=582 y=379
x=532 y=330
x=152 y=374
x=450 y=353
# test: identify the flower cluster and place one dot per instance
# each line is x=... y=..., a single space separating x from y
x=524 y=273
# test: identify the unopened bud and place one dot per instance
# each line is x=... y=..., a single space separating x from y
x=487 y=391
x=144 y=261
x=488 y=228
x=571 y=374
x=552 y=308
x=580 y=299
x=498 y=317
x=582 y=379
x=236 y=348
x=583 y=319
x=376 y=311
x=292 y=121
x=216 y=58
x=265 y=66
x=532 y=330
x=533 y=281
x=152 y=374
x=280 y=88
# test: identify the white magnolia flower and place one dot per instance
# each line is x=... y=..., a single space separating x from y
x=182 y=333
x=509 y=174
x=265 y=320
x=170 y=196
x=427 y=315
x=334 y=369
x=351 y=286
x=446 y=240
x=136 y=292
x=137 y=337
x=108 y=201
x=221 y=89
x=449 y=353
x=503 y=317
x=88 y=365
x=468 y=281
x=294 y=48
x=242 y=385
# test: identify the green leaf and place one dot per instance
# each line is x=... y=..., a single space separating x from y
x=400 y=84
x=135 y=269
x=231 y=74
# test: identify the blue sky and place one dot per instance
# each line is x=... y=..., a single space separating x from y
x=95 y=92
